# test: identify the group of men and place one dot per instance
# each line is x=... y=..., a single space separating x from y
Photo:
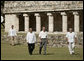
x=31 y=39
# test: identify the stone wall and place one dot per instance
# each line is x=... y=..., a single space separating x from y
x=36 y=6
x=57 y=40
x=11 y=19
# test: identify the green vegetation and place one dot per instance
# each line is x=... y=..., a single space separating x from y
x=20 y=52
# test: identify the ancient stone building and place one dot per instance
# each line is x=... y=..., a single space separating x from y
x=56 y=16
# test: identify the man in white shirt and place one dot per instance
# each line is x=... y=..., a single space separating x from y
x=31 y=39
x=71 y=40
x=12 y=34
x=43 y=38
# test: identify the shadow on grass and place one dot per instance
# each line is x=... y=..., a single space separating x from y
x=19 y=44
x=43 y=54
x=76 y=54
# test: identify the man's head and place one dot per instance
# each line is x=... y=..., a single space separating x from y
x=30 y=30
x=70 y=29
x=12 y=26
x=43 y=28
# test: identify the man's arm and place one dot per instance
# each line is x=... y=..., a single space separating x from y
x=47 y=41
x=75 y=40
x=67 y=40
x=40 y=36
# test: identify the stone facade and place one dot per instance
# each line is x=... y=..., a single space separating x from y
x=56 y=16
x=17 y=11
x=57 y=40
x=36 y=6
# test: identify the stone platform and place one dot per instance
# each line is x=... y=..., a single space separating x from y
x=54 y=40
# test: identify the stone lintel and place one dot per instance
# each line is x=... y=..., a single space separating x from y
x=49 y=14
x=63 y=13
x=75 y=13
x=25 y=15
x=37 y=14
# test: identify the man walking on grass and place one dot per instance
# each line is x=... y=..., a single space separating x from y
x=43 y=38
x=12 y=34
x=71 y=40
x=31 y=39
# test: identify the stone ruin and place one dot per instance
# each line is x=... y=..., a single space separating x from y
x=54 y=40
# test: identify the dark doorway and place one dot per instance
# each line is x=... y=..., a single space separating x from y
x=57 y=22
x=32 y=21
x=81 y=21
x=44 y=21
x=70 y=21
x=21 y=23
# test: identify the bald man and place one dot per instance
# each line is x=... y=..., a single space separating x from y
x=71 y=40
x=31 y=39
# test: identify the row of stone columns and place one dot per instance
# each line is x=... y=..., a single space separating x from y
x=51 y=19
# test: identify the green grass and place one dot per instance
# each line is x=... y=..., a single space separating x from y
x=20 y=52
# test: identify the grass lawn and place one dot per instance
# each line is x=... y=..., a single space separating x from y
x=20 y=52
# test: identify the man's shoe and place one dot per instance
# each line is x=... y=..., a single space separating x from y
x=73 y=53
x=30 y=54
x=39 y=53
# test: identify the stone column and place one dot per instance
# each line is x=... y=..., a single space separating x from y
x=50 y=17
x=76 y=21
x=64 y=21
x=26 y=19
x=38 y=22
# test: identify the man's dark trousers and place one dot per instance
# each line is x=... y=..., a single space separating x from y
x=31 y=47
